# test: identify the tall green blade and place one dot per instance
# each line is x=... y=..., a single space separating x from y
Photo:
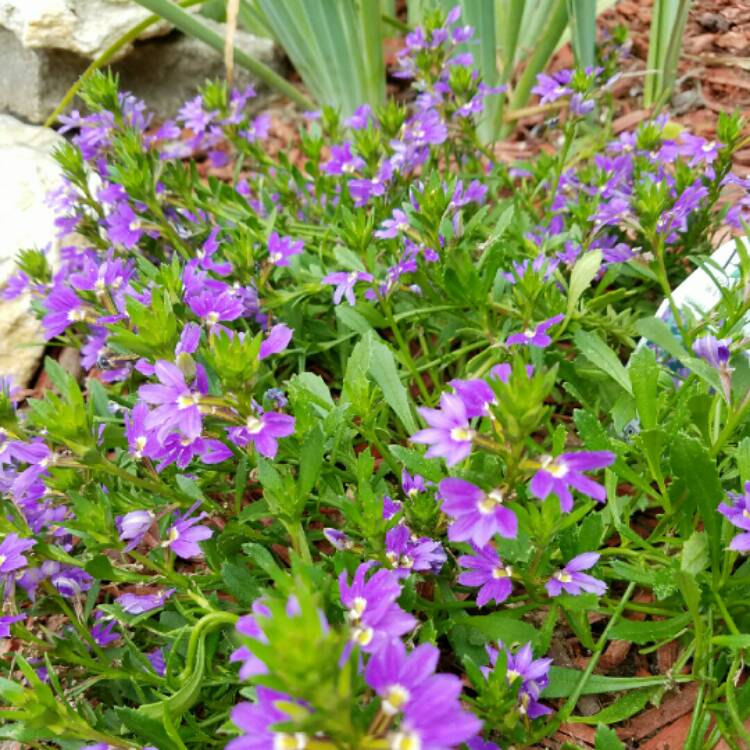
x=583 y=31
x=192 y=26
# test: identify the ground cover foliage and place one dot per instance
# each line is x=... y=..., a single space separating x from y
x=364 y=439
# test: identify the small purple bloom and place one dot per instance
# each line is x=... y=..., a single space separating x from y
x=406 y=552
x=6 y=621
x=554 y=87
x=136 y=604
x=391 y=228
x=486 y=570
x=156 y=657
x=248 y=627
x=345 y=281
x=449 y=434
x=476 y=395
x=124 y=226
x=183 y=536
x=342 y=161
x=535 y=336
x=64 y=309
x=372 y=612
x=556 y=474
x=477 y=515
x=738 y=514
x=11 y=553
x=280 y=249
x=212 y=307
x=570 y=579
x=133 y=526
x=177 y=405
x=276 y=341
x=263 y=429
x=103 y=630
x=714 y=351
x=412 y=485
x=395 y=674
x=533 y=674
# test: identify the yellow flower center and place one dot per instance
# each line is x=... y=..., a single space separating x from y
x=395 y=699
x=186 y=400
x=253 y=425
x=405 y=741
x=462 y=434
x=286 y=741
x=502 y=572
x=489 y=502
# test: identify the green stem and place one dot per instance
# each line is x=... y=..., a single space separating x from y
x=570 y=704
x=206 y=623
x=104 y=58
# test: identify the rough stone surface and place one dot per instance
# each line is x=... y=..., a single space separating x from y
x=164 y=72
x=85 y=27
x=27 y=173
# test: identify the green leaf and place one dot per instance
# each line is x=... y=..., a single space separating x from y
x=658 y=332
x=602 y=357
x=648 y=631
x=502 y=626
x=644 y=376
x=416 y=463
x=383 y=369
x=240 y=582
x=310 y=462
x=606 y=738
x=732 y=641
x=583 y=273
x=694 y=557
x=692 y=463
x=148 y=729
x=563 y=681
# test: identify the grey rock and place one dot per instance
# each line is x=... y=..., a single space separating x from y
x=84 y=27
x=165 y=72
x=27 y=173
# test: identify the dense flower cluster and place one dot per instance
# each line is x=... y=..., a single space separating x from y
x=353 y=408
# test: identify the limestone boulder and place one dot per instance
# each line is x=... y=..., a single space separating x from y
x=84 y=27
x=27 y=173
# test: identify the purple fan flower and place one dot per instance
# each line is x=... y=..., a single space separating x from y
x=124 y=226
x=11 y=553
x=257 y=719
x=183 y=536
x=177 y=405
x=212 y=307
x=156 y=657
x=248 y=627
x=406 y=552
x=477 y=515
x=390 y=507
x=486 y=570
x=345 y=281
x=738 y=514
x=412 y=485
x=558 y=473
x=449 y=434
x=133 y=526
x=5 y=623
x=372 y=612
x=535 y=336
x=141 y=441
x=479 y=744
x=136 y=604
x=342 y=161
x=64 y=309
x=435 y=719
x=276 y=341
x=391 y=228
x=337 y=538
x=280 y=249
x=554 y=87
x=102 y=630
x=533 y=674
x=714 y=351
x=570 y=579
x=181 y=450
x=395 y=674
x=263 y=430
x=476 y=395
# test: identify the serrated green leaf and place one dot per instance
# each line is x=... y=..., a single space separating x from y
x=602 y=357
